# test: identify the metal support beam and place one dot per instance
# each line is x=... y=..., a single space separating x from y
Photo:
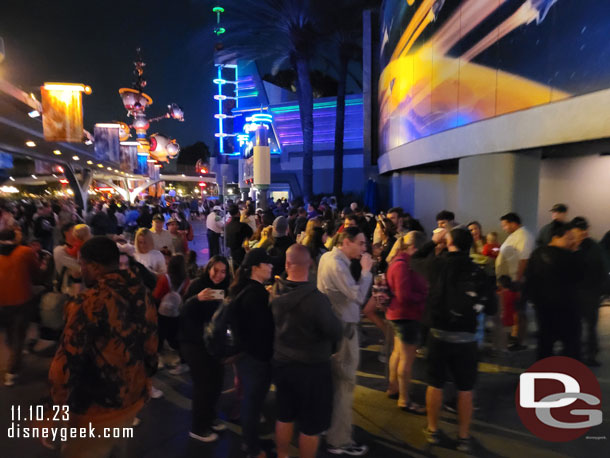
x=79 y=187
x=124 y=192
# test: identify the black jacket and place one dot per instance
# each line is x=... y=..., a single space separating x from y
x=197 y=314
x=459 y=289
x=278 y=252
x=595 y=270
x=253 y=321
x=552 y=276
x=306 y=329
x=237 y=232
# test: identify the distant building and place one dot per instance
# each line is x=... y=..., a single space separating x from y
x=279 y=109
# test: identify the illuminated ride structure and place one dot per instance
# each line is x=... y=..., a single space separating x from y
x=247 y=105
x=159 y=147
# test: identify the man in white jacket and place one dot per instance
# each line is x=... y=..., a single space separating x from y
x=215 y=225
x=347 y=297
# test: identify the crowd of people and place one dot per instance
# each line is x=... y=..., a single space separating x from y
x=291 y=284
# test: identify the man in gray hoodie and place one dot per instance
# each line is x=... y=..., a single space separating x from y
x=307 y=332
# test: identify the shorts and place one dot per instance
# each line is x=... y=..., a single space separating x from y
x=406 y=330
x=304 y=394
x=455 y=360
x=520 y=304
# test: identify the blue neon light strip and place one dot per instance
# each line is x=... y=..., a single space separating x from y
x=221 y=146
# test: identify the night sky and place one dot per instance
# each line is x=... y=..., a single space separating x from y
x=94 y=42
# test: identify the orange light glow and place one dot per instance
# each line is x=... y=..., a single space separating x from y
x=62 y=112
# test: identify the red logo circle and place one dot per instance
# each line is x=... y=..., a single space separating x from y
x=549 y=377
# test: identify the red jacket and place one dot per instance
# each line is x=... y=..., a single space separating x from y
x=409 y=290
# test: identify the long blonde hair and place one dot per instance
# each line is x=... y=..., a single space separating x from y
x=309 y=230
x=266 y=240
x=144 y=232
x=82 y=232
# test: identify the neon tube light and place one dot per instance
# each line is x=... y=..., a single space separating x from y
x=221 y=146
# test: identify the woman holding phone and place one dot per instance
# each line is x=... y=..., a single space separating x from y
x=203 y=297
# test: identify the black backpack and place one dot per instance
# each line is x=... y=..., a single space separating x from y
x=221 y=340
x=459 y=295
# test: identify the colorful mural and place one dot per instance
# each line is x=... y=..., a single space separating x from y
x=447 y=63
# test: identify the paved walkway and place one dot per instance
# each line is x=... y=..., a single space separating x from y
x=387 y=430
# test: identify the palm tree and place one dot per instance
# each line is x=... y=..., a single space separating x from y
x=285 y=31
x=343 y=26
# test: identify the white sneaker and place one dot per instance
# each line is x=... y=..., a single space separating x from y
x=42 y=345
x=155 y=393
x=9 y=379
x=179 y=369
x=207 y=436
x=352 y=449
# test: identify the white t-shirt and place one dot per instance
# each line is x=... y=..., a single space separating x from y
x=163 y=238
x=153 y=261
x=518 y=246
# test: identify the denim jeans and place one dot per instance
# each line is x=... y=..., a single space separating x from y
x=255 y=379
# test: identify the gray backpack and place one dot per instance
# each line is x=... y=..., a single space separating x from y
x=171 y=304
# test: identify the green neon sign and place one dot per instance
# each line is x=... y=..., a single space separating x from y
x=316 y=106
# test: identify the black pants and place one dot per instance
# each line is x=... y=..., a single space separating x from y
x=207 y=374
x=558 y=325
x=15 y=319
x=590 y=317
x=213 y=243
x=168 y=330
x=255 y=378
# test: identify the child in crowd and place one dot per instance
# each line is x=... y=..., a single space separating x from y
x=492 y=247
x=192 y=269
x=508 y=297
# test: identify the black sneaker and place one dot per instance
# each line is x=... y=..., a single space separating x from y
x=206 y=436
x=352 y=449
x=432 y=437
x=517 y=347
x=464 y=445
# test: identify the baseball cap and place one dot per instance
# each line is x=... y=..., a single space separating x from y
x=559 y=208
x=580 y=223
x=216 y=208
x=172 y=220
x=257 y=256
x=158 y=217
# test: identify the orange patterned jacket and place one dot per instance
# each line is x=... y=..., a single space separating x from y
x=107 y=352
